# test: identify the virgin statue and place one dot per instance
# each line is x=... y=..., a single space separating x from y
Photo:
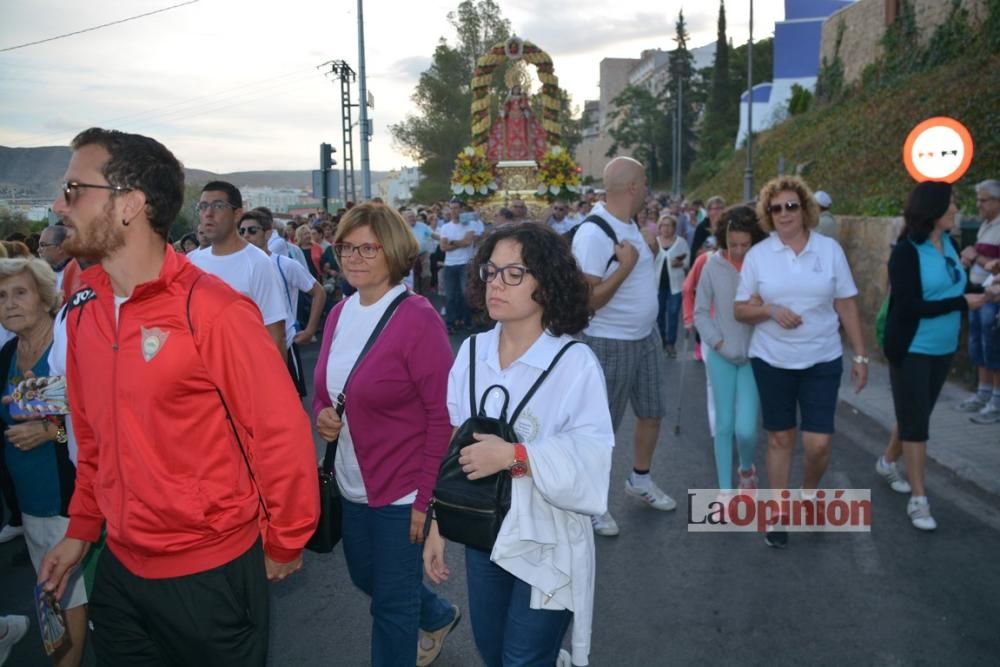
x=516 y=134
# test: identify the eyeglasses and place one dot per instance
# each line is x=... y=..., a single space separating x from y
x=249 y=231
x=953 y=270
x=218 y=205
x=42 y=245
x=366 y=250
x=791 y=206
x=512 y=274
x=71 y=186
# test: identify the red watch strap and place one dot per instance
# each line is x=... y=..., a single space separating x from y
x=520 y=453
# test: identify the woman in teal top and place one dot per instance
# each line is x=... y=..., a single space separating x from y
x=928 y=296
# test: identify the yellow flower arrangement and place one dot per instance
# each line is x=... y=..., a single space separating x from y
x=557 y=175
x=473 y=177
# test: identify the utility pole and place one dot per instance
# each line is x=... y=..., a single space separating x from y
x=748 y=174
x=366 y=174
x=343 y=71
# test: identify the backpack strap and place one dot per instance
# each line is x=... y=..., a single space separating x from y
x=538 y=382
x=281 y=272
x=606 y=228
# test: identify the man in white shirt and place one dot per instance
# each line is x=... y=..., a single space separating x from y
x=559 y=221
x=242 y=266
x=622 y=332
x=253 y=227
x=428 y=242
x=458 y=239
x=50 y=249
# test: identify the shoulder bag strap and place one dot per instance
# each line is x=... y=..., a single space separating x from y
x=229 y=416
x=331 y=447
x=538 y=382
x=472 y=375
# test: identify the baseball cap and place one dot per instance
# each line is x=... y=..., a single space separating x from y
x=823 y=199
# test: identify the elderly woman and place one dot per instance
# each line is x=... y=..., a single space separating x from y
x=797 y=289
x=672 y=258
x=393 y=433
x=929 y=293
x=35 y=458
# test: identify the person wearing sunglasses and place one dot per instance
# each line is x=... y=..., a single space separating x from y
x=239 y=264
x=540 y=574
x=929 y=291
x=393 y=433
x=796 y=288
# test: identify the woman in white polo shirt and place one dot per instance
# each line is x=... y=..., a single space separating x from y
x=540 y=573
x=797 y=289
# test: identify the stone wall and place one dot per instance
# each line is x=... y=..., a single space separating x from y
x=865 y=23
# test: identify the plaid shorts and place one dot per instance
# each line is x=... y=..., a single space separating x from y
x=633 y=369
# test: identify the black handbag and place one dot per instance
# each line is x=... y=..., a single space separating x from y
x=471 y=512
x=329 y=528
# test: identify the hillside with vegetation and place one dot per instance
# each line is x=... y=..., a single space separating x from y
x=853 y=149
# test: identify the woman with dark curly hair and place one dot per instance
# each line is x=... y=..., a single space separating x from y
x=540 y=574
x=727 y=342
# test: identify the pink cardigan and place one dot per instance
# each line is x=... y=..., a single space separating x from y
x=397 y=402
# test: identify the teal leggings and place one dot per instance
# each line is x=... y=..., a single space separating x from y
x=736 y=407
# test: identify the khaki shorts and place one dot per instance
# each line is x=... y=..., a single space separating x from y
x=42 y=533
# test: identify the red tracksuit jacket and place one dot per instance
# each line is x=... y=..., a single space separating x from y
x=158 y=459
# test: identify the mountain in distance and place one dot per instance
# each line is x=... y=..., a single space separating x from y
x=38 y=172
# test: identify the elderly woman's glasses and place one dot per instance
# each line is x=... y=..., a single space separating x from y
x=775 y=209
x=69 y=188
x=366 y=250
x=512 y=274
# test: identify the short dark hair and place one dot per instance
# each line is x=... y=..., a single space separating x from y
x=190 y=237
x=506 y=213
x=268 y=222
x=259 y=217
x=562 y=290
x=928 y=201
x=232 y=192
x=143 y=164
x=739 y=219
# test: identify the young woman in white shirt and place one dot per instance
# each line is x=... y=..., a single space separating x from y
x=540 y=574
x=672 y=260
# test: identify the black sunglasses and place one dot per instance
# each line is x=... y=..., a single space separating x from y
x=775 y=209
x=69 y=187
x=249 y=231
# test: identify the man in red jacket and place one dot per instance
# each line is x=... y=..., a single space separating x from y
x=193 y=446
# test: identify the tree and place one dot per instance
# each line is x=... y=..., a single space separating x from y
x=570 y=122
x=440 y=128
x=12 y=221
x=687 y=98
x=722 y=115
x=637 y=126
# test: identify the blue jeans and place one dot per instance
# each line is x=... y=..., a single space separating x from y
x=383 y=564
x=668 y=315
x=984 y=339
x=456 y=309
x=736 y=408
x=506 y=629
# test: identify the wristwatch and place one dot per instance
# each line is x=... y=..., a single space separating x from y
x=859 y=359
x=519 y=468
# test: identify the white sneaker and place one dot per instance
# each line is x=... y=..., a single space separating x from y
x=920 y=514
x=9 y=532
x=564 y=659
x=17 y=626
x=971 y=404
x=651 y=495
x=890 y=473
x=988 y=415
x=604 y=525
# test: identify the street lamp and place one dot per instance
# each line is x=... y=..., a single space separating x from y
x=748 y=174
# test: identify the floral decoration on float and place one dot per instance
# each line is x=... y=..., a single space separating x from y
x=473 y=177
x=558 y=177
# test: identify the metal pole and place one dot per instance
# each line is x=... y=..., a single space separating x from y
x=748 y=175
x=366 y=175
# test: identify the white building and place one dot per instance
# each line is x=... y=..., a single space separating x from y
x=278 y=200
x=396 y=189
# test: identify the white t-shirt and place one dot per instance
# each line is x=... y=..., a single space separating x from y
x=456 y=231
x=424 y=235
x=354 y=327
x=806 y=284
x=631 y=312
x=564 y=225
x=249 y=272
x=294 y=279
x=57 y=366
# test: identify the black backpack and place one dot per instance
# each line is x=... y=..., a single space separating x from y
x=605 y=227
x=471 y=512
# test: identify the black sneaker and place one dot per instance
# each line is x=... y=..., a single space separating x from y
x=777 y=539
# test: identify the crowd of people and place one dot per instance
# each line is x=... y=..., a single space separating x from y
x=160 y=507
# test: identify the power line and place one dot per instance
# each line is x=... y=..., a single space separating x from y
x=97 y=27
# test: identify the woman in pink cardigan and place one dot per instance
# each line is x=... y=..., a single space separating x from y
x=394 y=432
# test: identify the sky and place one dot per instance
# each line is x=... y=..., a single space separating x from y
x=232 y=85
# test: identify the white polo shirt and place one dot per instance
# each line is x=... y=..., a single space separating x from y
x=806 y=284
x=249 y=272
x=546 y=540
x=631 y=312
x=456 y=231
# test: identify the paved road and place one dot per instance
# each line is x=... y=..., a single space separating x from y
x=669 y=597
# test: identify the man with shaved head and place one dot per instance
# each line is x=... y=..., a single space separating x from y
x=622 y=332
